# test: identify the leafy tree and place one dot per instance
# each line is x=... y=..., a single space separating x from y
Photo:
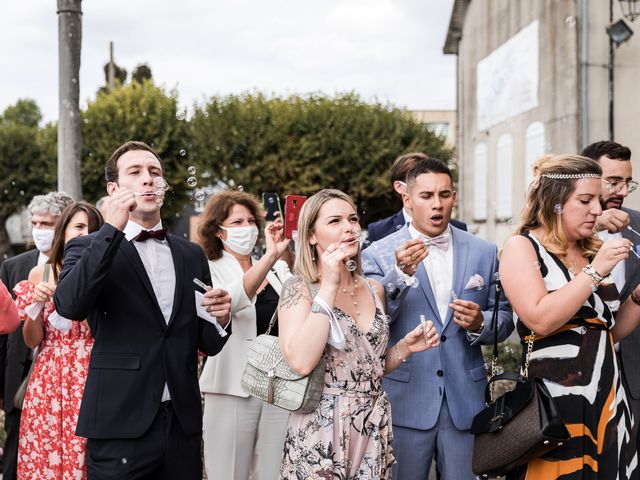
x=138 y=111
x=120 y=74
x=303 y=144
x=24 y=169
x=141 y=73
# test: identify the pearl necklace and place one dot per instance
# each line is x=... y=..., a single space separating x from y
x=352 y=293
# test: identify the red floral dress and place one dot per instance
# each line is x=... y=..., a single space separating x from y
x=48 y=447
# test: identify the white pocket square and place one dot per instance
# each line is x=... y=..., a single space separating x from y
x=476 y=282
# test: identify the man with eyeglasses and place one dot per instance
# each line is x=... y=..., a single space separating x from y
x=616 y=221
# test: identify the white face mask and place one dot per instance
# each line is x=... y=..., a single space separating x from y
x=43 y=239
x=241 y=239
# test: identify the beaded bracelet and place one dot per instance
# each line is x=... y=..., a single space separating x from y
x=635 y=299
x=596 y=278
x=400 y=359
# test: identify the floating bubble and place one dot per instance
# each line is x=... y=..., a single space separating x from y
x=496 y=276
x=454 y=295
x=415 y=283
x=398 y=227
x=180 y=116
x=159 y=202
x=191 y=170
x=13 y=183
x=479 y=287
x=192 y=181
x=570 y=21
x=160 y=185
x=511 y=222
x=22 y=193
x=183 y=152
x=199 y=196
x=390 y=287
x=499 y=369
x=240 y=188
x=351 y=265
x=558 y=208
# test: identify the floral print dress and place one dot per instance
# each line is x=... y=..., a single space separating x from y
x=349 y=435
x=48 y=447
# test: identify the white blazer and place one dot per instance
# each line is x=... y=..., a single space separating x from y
x=222 y=373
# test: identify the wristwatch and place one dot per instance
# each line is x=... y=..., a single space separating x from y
x=317 y=308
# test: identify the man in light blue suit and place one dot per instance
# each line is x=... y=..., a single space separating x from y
x=433 y=269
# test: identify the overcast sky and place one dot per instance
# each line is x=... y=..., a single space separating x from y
x=390 y=50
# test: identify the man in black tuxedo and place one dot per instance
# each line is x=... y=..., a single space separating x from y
x=387 y=226
x=15 y=356
x=141 y=409
x=617 y=184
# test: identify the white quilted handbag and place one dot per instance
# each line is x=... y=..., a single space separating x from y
x=267 y=376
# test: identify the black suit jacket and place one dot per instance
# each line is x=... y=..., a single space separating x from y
x=630 y=346
x=135 y=351
x=14 y=354
x=389 y=225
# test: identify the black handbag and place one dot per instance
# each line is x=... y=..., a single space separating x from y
x=519 y=426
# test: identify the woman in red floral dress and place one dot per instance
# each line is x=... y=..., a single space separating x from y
x=48 y=447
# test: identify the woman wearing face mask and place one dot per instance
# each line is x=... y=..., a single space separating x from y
x=48 y=446
x=243 y=436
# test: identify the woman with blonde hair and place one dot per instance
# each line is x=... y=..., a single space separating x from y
x=552 y=271
x=328 y=308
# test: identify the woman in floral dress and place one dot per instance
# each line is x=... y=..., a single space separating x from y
x=348 y=436
x=48 y=447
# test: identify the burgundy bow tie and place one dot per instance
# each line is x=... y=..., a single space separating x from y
x=147 y=234
x=441 y=241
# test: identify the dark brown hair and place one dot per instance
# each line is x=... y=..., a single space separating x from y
x=403 y=164
x=217 y=211
x=94 y=222
x=111 y=167
x=611 y=150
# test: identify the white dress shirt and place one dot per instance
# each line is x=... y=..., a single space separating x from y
x=158 y=263
x=439 y=266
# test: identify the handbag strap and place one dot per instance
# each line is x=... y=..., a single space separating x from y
x=274 y=318
x=494 y=359
x=47 y=272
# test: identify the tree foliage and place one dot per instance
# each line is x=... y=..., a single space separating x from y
x=141 y=73
x=25 y=170
x=138 y=111
x=303 y=144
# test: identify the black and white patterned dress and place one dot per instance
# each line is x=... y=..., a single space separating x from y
x=579 y=366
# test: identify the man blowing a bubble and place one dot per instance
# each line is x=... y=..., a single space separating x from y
x=433 y=270
x=134 y=283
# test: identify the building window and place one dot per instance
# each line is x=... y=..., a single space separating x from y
x=480 y=182
x=504 y=176
x=440 y=129
x=533 y=149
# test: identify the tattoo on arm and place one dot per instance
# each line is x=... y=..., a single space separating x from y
x=294 y=290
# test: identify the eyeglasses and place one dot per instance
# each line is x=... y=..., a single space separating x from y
x=617 y=185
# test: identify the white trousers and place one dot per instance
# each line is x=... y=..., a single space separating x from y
x=243 y=438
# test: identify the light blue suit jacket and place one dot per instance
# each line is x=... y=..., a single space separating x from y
x=417 y=387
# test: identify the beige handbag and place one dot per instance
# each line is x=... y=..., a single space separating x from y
x=18 y=397
x=267 y=376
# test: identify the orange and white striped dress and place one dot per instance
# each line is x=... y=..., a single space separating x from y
x=579 y=366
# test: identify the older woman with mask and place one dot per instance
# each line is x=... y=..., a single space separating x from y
x=243 y=436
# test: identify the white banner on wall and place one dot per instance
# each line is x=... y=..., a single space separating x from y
x=507 y=79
